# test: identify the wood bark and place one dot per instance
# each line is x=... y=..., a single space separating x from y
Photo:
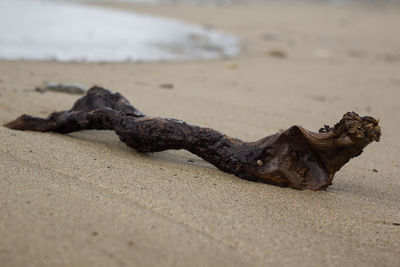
x=296 y=157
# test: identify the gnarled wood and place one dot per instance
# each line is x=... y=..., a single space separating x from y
x=295 y=157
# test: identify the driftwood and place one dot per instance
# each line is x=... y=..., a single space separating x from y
x=69 y=88
x=296 y=157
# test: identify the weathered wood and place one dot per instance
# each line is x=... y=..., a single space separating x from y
x=295 y=157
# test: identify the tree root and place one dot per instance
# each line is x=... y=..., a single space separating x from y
x=296 y=157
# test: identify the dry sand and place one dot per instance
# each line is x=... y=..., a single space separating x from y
x=85 y=199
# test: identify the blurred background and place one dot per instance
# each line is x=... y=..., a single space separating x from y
x=120 y=30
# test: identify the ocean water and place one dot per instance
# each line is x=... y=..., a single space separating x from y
x=67 y=31
x=219 y=2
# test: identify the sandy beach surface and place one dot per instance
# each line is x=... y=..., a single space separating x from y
x=86 y=199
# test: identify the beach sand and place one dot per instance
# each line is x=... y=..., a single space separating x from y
x=86 y=199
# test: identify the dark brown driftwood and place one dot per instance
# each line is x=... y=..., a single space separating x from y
x=295 y=157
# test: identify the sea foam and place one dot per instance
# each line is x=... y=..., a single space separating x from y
x=65 y=31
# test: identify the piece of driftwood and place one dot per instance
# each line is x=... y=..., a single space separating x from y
x=296 y=157
x=69 y=88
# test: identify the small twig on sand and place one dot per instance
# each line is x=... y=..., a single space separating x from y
x=295 y=157
x=70 y=88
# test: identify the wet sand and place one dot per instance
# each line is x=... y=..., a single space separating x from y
x=86 y=199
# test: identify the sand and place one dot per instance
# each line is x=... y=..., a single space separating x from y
x=85 y=199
